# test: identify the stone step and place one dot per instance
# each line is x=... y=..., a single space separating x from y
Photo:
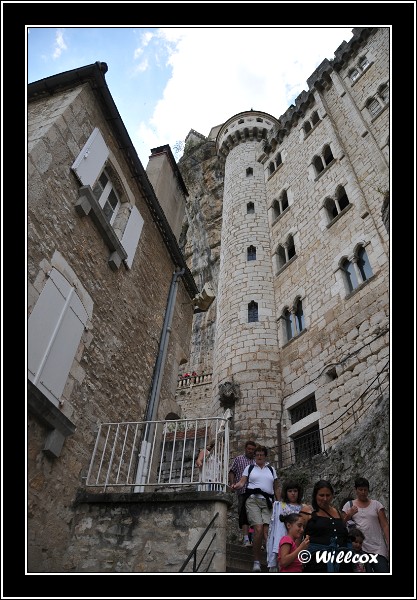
x=239 y=559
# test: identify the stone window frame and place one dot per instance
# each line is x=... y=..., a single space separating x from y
x=380 y=100
x=279 y=206
x=325 y=159
x=332 y=207
x=250 y=253
x=253 y=312
x=311 y=123
x=284 y=254
x=359 y=68
x=292 y=323
x=353 y=273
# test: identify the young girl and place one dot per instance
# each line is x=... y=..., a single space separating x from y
x=356 y=537
x=288 y=550
x=292 y=502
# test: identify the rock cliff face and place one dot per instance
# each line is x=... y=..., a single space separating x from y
x=203 y=175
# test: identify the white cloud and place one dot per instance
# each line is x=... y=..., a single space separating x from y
x=218 y=72
x=60 y=45
x=142 y=66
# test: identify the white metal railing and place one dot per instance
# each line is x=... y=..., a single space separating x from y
x=160 y=455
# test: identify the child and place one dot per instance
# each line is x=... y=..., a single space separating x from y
x=291 y=502
x=288 y=550
x=356 y=537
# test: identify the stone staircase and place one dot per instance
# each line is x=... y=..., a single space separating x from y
x=240 y=559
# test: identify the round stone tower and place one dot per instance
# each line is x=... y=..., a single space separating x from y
x=245 y=361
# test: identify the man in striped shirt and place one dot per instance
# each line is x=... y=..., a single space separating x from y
x=235 y=473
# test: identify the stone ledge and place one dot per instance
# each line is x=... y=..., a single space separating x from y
x=85 y=497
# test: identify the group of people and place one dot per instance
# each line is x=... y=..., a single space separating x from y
x=187 y=375
x=308 y=538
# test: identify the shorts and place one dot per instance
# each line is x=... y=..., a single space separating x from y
x=258 y=511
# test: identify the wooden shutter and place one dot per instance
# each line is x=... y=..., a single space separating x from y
x=55 y=327
x=131 y=235
x=90 y=161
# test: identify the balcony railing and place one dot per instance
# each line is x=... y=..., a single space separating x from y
x=192 y=380
x=160 y=456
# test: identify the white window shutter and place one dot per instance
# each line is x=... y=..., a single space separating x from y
x=131 y=235
x=55 y=327
x=90 y=161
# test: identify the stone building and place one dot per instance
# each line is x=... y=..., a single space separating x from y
x=289 y=219
x=103 y=260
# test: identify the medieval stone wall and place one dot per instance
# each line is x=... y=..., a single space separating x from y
x=111 y=377
x=147 y=533
x=342 y=355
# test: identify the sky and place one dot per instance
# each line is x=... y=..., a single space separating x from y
x=168 y=80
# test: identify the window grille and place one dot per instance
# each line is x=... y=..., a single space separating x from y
x=307 y=444
x=300 y=411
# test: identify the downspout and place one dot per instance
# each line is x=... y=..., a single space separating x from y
x=152 y=406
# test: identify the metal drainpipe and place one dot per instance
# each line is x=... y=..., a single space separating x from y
x=152 y=408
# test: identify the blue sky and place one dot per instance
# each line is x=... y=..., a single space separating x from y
x=168 y=80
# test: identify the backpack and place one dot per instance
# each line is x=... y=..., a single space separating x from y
x=251 y=468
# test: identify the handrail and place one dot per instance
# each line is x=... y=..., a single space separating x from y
x=193 y=552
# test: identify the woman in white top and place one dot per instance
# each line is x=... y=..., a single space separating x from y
x=369 y=516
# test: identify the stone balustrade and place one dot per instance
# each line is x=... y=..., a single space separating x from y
x=194 y=380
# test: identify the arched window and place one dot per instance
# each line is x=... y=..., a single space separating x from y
x=331 y=209
x=299 y=316
x=342 y=198
x=252 y=312
x=349 y=274
x=271 y=167
x=307 y=126
x=250 y=208
x=354 y=74
x=278 y=160
x=276 y=209
x=281 y=258
x=290 y=247
x=384 y=93
x=315 y=118
x=284 y=200
x=289 y=324
x=318 y=164
x=363 y=63
x=363 y=264
x=327 y=155
x=251 y=253
x=249 y=172
x=373 y=106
